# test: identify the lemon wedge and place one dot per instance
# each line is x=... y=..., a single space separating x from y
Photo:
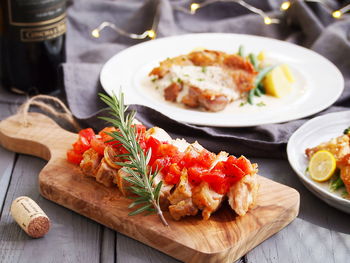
x=322 y=166
x=277 y=82
x=288 y=73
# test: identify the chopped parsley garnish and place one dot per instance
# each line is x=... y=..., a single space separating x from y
x=204 y=69
x=261 y=104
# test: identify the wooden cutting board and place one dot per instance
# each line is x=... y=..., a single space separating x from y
x=223 y=238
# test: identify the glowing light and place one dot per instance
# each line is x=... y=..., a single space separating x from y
x=95 y=33
x=285 y=5
x=267 y=20
x=337 y=14
x=151 y=34
x=194 y=7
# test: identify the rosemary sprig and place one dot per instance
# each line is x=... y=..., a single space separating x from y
x=135 y=162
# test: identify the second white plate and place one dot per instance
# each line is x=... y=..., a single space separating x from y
x=310 y=134
x=318 y=82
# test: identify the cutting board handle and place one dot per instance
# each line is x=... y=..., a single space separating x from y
x=41 y=137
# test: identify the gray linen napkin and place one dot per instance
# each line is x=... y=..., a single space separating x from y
x=307 y=24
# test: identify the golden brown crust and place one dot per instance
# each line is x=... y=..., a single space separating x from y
x=105 y=174
x=90 y=163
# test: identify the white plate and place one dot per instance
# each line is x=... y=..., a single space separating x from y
x=310 y=134
x=318 y=82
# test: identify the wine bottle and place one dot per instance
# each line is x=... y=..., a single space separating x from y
x=32 y=36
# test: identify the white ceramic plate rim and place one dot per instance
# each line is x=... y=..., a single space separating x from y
x=124 y=63
x=309 y=128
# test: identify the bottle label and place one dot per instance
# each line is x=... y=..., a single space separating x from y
x=36 y=20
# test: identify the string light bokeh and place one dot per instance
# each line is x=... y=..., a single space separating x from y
x=194 y=7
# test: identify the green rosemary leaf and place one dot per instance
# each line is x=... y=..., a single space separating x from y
x=127 y=137
x=135 y=203
x=140 y=210
x=134 y=181
x=157 y=190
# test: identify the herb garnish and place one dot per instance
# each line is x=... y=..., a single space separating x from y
x=204 y=69
x=135 y=161
x=336 y=182
x=347 y=131
x=259 y=87
x=261 y=104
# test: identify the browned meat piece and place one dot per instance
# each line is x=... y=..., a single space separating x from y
x=206 y=199
x=192 y=98
x=212 y=101
x=239 y=78
x=164 y=192
x=110 y=156
x=206 y=58
x=339 y=147
x=158 y=133
x=105 y=174
x=243 y=80
x=242 y=71
x=122 y=183
x=168 y=63
x=344 y=165
x=90 y=162
x=243 y=194
x=345 y=176
x=171 y=92
x=235 y=62
x=183 y=208
x=180 y=199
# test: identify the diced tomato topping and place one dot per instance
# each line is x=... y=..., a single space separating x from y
x=106 y=138
x=189 y=159
x=140 y=135
x=245 y=165
x=74 y=157
x=98 y=145
x=140 y=129
x=233 y=170
x=206 y=158
x=217 y=181
x=194 y=175
x=88 y=133
x=162 y=164
x=173 y=174
x=167 y=150
x=81 y=145
x=153 y=144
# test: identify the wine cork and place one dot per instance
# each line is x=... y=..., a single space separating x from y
x=30 y=217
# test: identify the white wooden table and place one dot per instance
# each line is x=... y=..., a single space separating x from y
x=319 y=234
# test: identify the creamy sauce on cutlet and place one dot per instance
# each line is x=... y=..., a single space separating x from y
x=211 y=78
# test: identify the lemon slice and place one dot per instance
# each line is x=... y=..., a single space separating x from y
x=276 y=83
x=322 y=166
